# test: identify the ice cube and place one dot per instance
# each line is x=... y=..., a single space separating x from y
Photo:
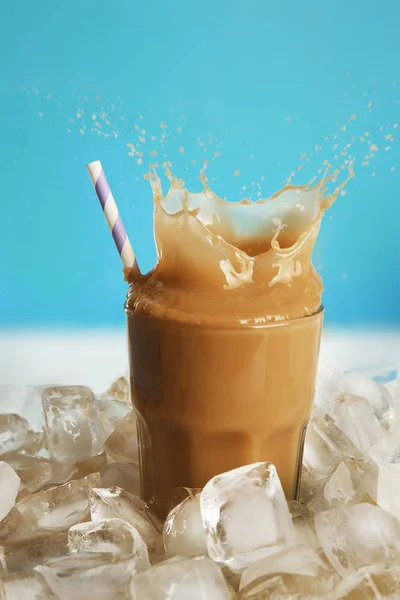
x=109 y=535
x=86 y=575
x=298 y=560
x=124 y=475
x=310 y=480
x=107 y=503
x=326 y=445
x=17 y=555
x=34 y=444
x=119 y=390
x=13 y=432
x=25 y=586
x=387 y=450
x=196 y=578
x=388 y=495
x=338 y=489
x=73 y=424
x=184 y=531
x=357 y=536
x=112 y=411
x=60 y=507
x=9 y=486
x=245 y=515
x=33 y=472
x=356 y=418
x=9 y=524
x=327 y=387
x=303 y=523
x=122 y=445
x=376 y=393
x=91 y=465
x=386 y=454
x=286 y=586
x=347 y=484
x=370 y=583
x=393 y=387
x=23 y=400
x=62 y=472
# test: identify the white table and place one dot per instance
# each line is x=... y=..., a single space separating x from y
x=96 y=357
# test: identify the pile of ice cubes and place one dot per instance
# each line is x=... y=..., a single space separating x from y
x=72 y=525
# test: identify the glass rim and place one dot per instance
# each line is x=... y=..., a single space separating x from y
x=213 y=325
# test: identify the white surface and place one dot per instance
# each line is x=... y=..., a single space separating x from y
x=95 y=358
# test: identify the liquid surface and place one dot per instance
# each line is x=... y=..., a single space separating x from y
x=226 y=263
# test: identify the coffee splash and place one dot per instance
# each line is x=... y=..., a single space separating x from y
x=234 y=262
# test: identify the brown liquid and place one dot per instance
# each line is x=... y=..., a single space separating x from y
x=224 y=336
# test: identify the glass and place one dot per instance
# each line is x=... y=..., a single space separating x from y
x=215 y=398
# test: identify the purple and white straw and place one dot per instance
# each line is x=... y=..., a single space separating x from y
x=112 y=216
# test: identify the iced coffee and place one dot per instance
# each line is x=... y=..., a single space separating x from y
x=224 y=336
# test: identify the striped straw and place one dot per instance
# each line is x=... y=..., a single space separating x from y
x=112 y=216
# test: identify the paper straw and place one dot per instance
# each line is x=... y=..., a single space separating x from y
x=112 y=215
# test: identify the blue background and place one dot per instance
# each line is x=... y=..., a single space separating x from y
x=226 y=70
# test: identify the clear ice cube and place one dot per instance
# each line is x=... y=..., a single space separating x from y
x=33 y=472
x=245 y=515
x=370 y=583
x=9 y=524
x=388 y=494
x=356 y=536
x=310 y=480
x=184 y=531
x=13 y=432
x=122 y=444
x=327 y=387
x=25 y=586
x=356 y=418
x=25 y=552
x=376 y=393
x=73 y=423
x=86 y=575
x=303 y=523
x=9 y=486
x=387 y=450
x=90 y=465
x=112 y=411
x=118 y=390
x=286 y=586
x=196 y=578
x=109 y=535
x=348 y=483
x=298 y=560
x=107 y=503
x=60 y=507
x=326 y=446
x=386 y=454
